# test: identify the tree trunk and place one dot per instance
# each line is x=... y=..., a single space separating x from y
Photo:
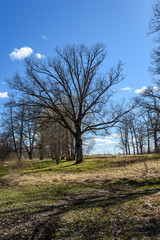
x=41 y=155
x=133 y=146
x=126 y=149
x=155 y=142
x=19 y=162
x=57 y=155
x=40 y=151
x=129 y=152
x=73 y=155
x=68 y=158
x=148 y=138
x=30 y=155
x=79 y=150
x=141 y=148
x=57 y=160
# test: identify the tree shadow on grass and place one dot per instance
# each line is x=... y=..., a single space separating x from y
x=123 y=189
x=115 y=193
x=148 y=228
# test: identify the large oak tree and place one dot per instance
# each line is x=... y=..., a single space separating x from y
x=71 y=90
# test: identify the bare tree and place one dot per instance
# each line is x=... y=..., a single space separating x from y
x=30 y=130
x=71 y=87
x=150 y=105
x=5 y=148
x=132 y=133
x=13 y=125
x=20 y=125
x=154 y=28
x=155 y=129
x=146 y=120
x=125 y=130
x=152 y=94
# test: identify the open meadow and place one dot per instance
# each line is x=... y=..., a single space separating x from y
x=105 y=197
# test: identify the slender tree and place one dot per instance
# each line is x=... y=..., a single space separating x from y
x=13 y=125
x=30 y=130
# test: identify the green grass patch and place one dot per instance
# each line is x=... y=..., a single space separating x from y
x=67 y=166
x=4 y=170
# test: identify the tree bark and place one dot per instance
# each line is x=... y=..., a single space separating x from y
x=148 y=139
x=79 y=150
x=155 y=142
x=30 y=155
x=133 y=146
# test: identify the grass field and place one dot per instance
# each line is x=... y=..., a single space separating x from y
x=105 y=197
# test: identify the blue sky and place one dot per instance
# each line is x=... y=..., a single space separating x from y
x=41 y=26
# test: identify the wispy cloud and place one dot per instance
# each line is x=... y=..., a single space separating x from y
x=19 y=54
x=141 y=90
x=126 y=89
x=4 y=95
x=104 y=141
x=44 y=37
x=39 y=56
x=114 y=135
x=101 y=141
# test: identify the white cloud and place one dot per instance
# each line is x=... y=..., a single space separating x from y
x=114 y=90
x=101 y=141
x=156 y=89
x=44 y=37
x=21 y=53
x=4 y=95
x=39 y=56
x=141 y=90
x=126 y=89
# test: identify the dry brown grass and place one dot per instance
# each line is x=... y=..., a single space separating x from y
x=135 y=170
